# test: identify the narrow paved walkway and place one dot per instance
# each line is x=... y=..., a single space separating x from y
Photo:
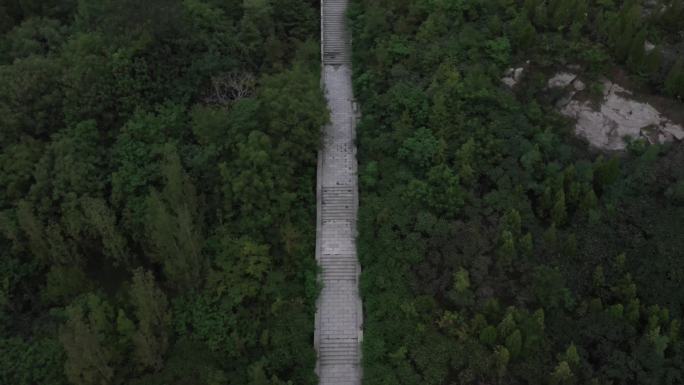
x=338 y=318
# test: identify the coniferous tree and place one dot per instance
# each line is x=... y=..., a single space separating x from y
x=674 y=83
x=102 y=222
x=151 y=339
x=174 y=225
x=563 y=11
x=507 y=252
x=514 y=343
x=501 y=358
x=34 y=230
x=541 y=16
x=672 y=15
x=653 y=63
x=636 y=55
x=87 y=341
x=624 y=29
x=523 y=32
x=559 y=210
x=562 y=375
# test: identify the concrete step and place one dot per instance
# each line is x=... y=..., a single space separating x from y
x=338 y=351
x=338 y=328
x=350 y=270
x=325 y=262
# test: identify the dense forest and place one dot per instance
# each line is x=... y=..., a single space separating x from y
x=497 y=247
x=157 y=194
x=157 y=191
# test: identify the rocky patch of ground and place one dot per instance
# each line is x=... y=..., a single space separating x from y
x=616 y=119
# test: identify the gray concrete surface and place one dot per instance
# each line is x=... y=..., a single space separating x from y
x=339 y=313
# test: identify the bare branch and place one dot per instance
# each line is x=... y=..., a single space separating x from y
x=230 y=87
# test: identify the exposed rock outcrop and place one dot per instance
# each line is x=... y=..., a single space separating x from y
x=618 y=117
x=513 y=76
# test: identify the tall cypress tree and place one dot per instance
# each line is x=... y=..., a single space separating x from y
x=652 y=65
x=635 y=57
x=523 y=32
x=672 y=16
x=674 y=83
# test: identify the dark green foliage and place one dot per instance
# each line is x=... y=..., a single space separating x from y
x=674 y=83
x=496 y=248
x=670 y=17
x=34 y=362
x=157 y=205
x=157 y=167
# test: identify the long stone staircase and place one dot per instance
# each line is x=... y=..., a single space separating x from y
x=335 y=36
x=339 y=312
